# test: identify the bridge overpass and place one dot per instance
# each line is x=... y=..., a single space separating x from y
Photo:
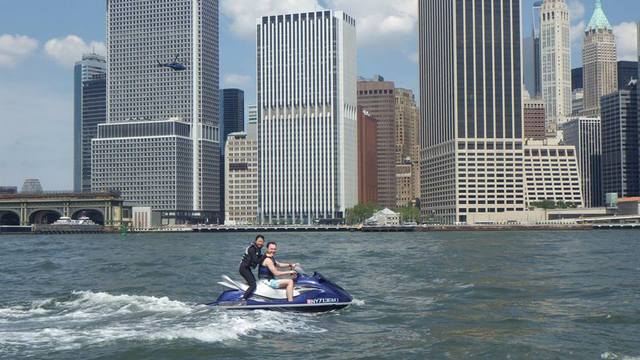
x=29 y=209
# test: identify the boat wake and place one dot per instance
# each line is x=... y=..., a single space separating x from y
x=87 y=318
x=613 y=356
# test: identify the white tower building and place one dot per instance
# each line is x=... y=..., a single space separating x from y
x=556 y=62
x=307 y=100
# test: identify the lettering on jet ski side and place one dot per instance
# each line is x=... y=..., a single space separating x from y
x=322 y=301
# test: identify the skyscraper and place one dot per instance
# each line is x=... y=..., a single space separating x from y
x=472 y=129
x=241 y=179
x=407 y=147
x=307 y=116
x=620 y=154
x=367 y=158
x=532 y=53
x=160 y=145
x=377 y=97
x=528 y=64
x=94 y=113
x=576 y=79
x=231 y=121
x=90 y=66
x=556 y=62
x=584 y=134
x=231 y=111
x=599 y=61
x=627 y=71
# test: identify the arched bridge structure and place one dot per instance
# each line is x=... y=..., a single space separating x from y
x=30 y=209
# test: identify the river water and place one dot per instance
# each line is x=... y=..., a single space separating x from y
x=506 y=295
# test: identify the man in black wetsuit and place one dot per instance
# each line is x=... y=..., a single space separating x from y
x=251 y=258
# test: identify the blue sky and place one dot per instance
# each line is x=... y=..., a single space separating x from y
x=40 y=40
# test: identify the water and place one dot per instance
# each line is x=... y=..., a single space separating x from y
x=508 y=295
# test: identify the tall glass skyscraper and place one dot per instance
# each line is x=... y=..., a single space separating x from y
x=94 y=113
x=231 y=111
x=586 y=135
x=620 y=139
x=160 y=146
x=532 y=53
x=231 y=121
x=472 y=130
x=92 y=67
x=307 y=103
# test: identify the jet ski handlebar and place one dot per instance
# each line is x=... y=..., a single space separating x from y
x=299 y=269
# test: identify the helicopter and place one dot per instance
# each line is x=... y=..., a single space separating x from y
x=174 y=65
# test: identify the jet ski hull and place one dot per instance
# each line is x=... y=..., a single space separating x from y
x=315 y=294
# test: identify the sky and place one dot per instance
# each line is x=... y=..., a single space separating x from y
x=41 y=39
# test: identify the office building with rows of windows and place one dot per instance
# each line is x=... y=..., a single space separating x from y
x=599 y=61
x=377 y=97
x=472 y=130
x=552 y=173
x=160 y=146
x=555 y=41
x=241 y=178
x=89 y=110
x=585 y=134
x=307 y=109
x=620 y=142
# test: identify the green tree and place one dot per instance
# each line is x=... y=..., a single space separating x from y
x=409 y=214
x=361 y=212
x=546 y=204
x=550 y=205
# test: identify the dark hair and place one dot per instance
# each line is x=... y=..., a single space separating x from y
x=271 y=243
x=259 y=237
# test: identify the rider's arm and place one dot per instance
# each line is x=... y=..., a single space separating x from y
x=274 y=269
x=285 y=265
x=254 y=255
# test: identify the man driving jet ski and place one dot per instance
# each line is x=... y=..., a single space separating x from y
x=269 y=270
x=251 y=258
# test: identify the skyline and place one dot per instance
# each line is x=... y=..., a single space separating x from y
x=37 y=90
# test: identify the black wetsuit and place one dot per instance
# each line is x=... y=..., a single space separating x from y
x=251 y=258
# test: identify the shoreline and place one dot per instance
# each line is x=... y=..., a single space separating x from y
x=29 y=230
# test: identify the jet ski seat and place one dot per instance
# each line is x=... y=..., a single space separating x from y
x=262 y=289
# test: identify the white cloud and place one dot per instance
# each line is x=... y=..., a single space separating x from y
x=576 y=10
x=14 y=48
x=243 y=13
x=378 y=20
x=626 y=41
x=235 y=80
x=577 y=33
x=66 y=51
x=381 y=20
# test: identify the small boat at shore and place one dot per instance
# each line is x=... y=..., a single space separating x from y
x=82 y=221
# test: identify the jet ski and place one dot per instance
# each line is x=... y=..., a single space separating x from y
x=311 y=293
